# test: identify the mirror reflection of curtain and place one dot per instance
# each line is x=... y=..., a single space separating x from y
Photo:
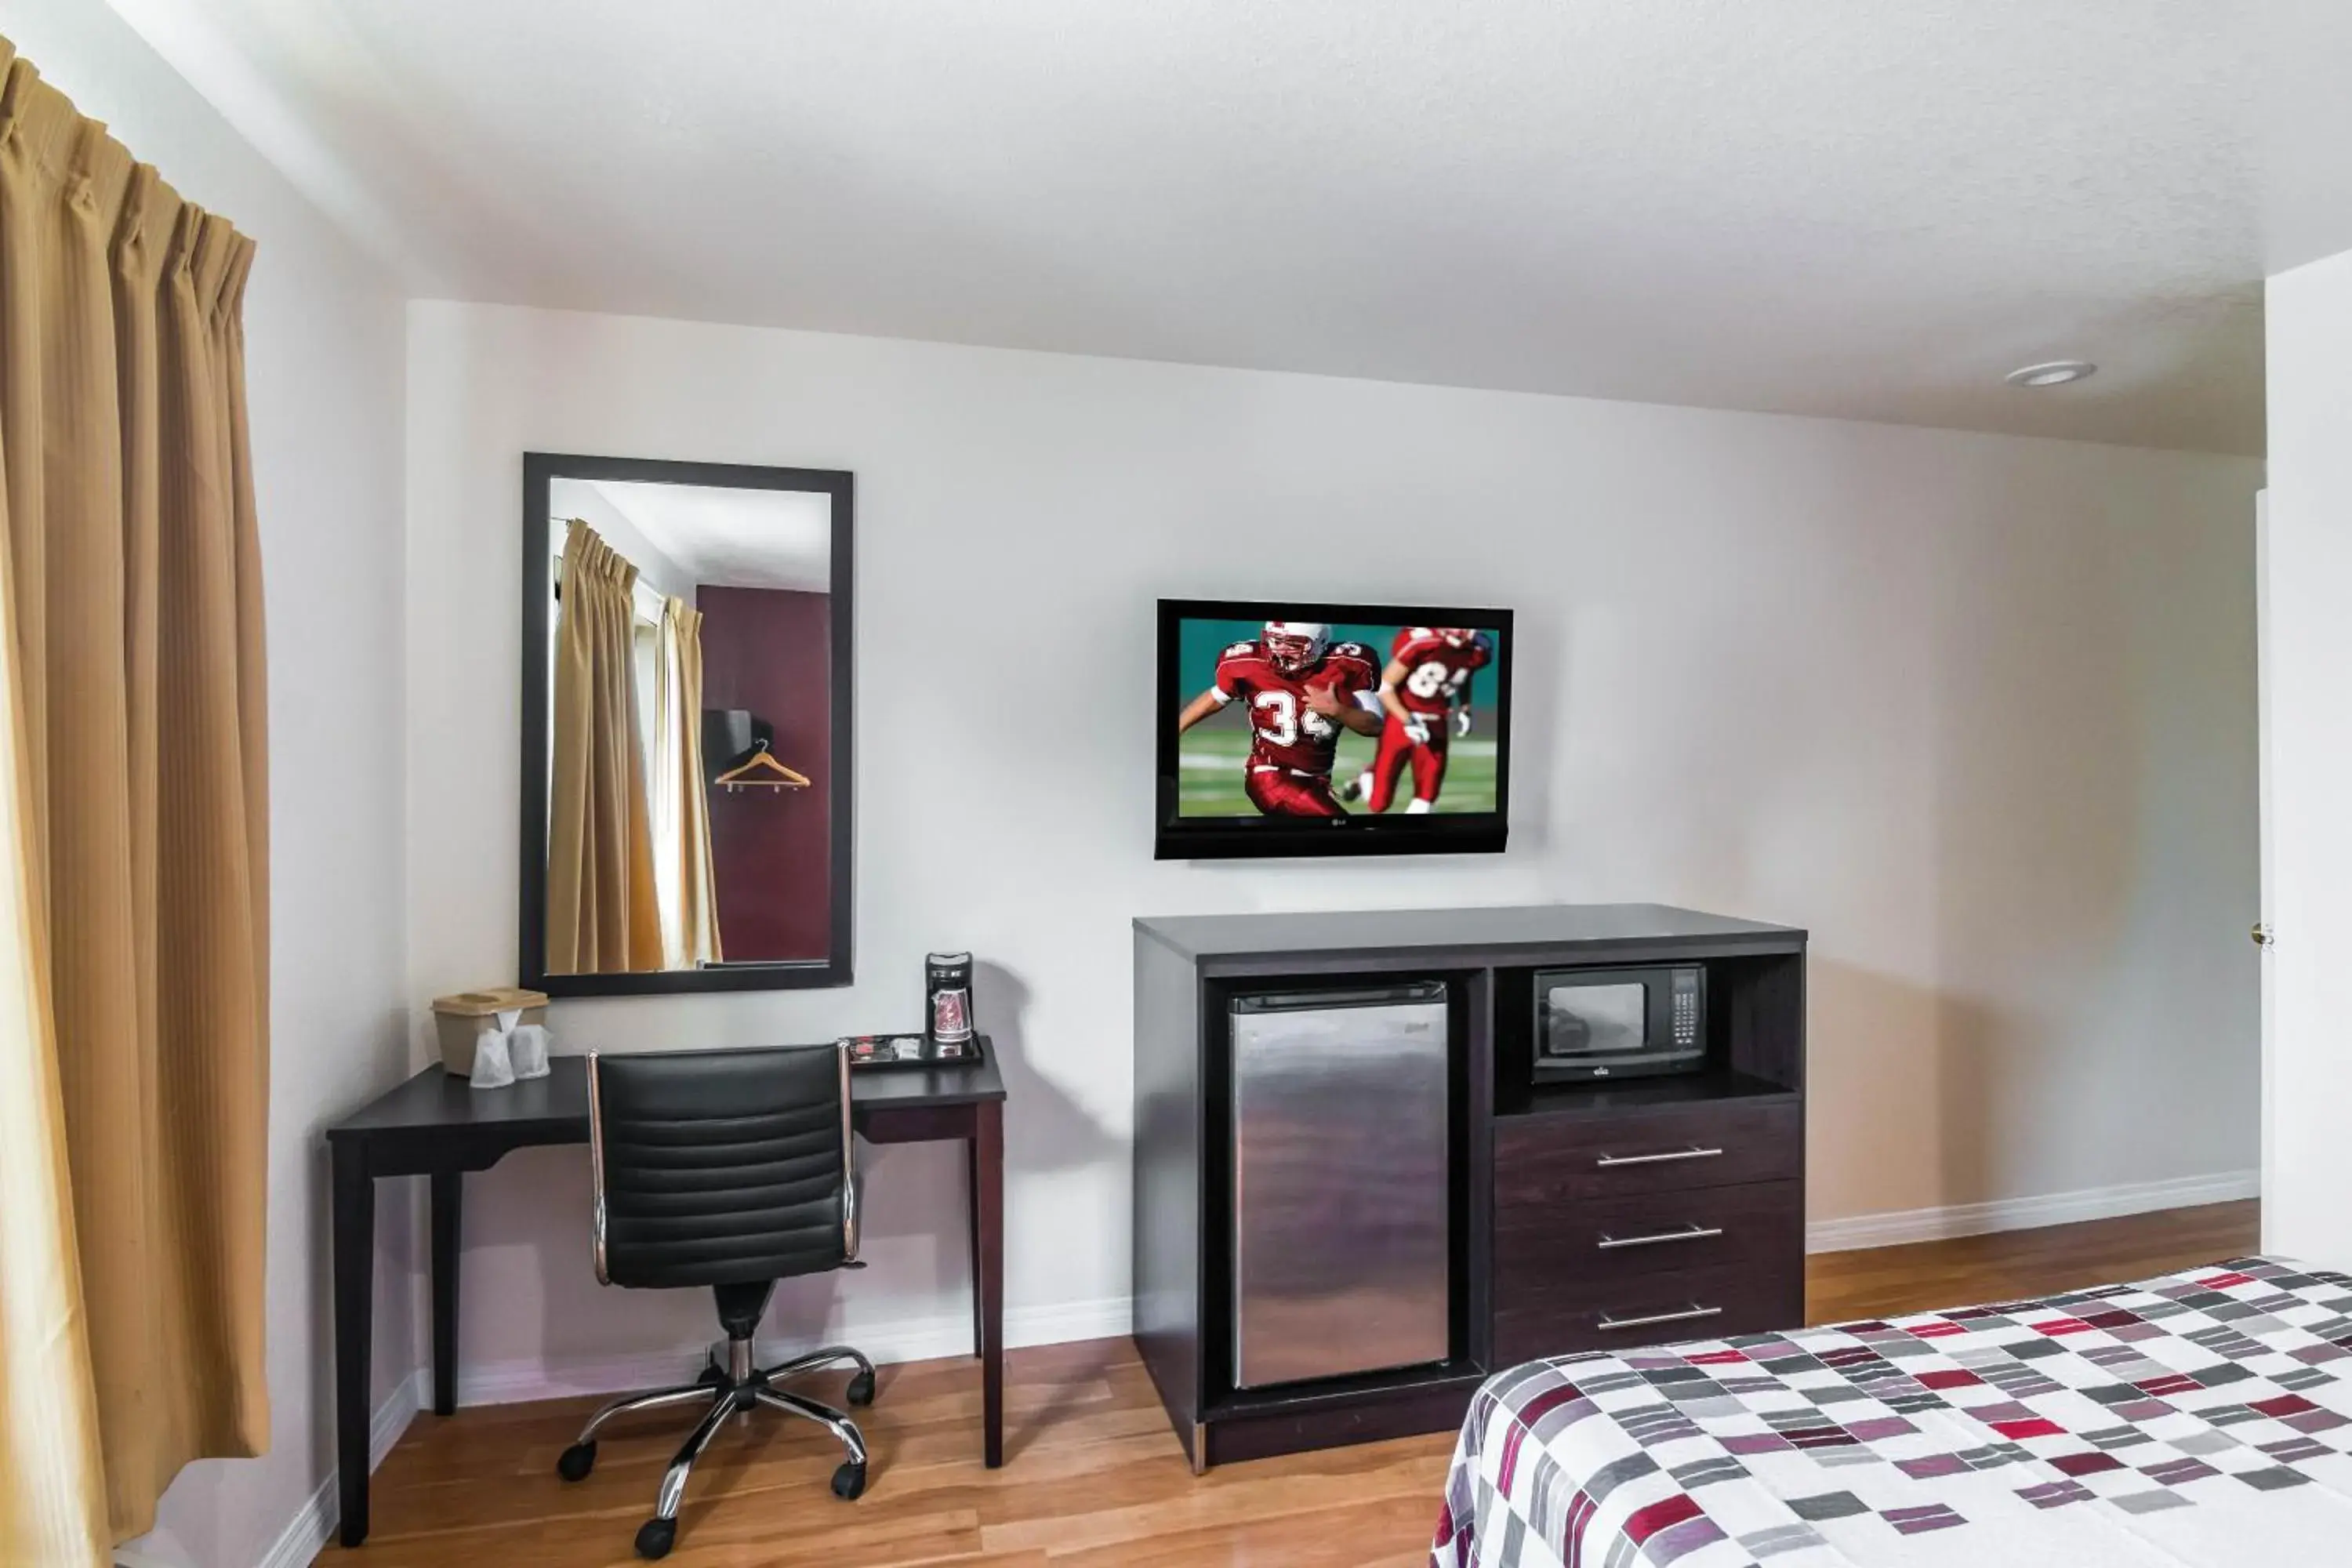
x=134 y=863
x=603 y=916
x=681 y=799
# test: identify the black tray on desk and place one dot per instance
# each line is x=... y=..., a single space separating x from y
x=928 y=1053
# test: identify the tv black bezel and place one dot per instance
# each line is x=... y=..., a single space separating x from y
x=1178 y=838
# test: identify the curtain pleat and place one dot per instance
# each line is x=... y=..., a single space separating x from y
x=682 y=807
x=137 y=684
x=602 y=913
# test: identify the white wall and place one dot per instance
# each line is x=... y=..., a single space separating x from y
x=324 y=351
x=2307 y=661
x=1978 y=710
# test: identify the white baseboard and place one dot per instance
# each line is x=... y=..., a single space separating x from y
x=314 y=1525
x=1901 y=1226
x=910 y=1338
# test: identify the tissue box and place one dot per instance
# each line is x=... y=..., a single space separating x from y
x=469 y=1016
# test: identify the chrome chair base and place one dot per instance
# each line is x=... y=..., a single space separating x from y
x=735 y=1390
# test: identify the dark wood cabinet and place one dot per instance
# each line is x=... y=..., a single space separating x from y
x=1583 y=1217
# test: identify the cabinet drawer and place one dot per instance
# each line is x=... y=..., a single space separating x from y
x=1576 y=1254
x=1546 y=1163
x=1705 y=1303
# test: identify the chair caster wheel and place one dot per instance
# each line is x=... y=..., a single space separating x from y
x=861 y=1389
x=577 y=1461
x=710 y=1376
x=656 y=1537
x=849 y=1482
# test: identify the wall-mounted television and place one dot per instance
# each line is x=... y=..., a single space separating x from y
x=1293 y=728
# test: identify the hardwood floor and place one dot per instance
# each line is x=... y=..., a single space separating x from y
x=1842 y=1286
x=1093 y=1476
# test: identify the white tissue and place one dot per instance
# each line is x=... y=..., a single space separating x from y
x=527 y=1051
x=492 y=1067
x=512 y=1050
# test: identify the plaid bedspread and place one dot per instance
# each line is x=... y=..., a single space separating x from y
x=2195 y=1421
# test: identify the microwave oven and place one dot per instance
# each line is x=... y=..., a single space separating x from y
x=1603 y=1025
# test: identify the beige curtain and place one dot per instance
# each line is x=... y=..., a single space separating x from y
x=681 y=796
x=601 y=914
x=133 y=1014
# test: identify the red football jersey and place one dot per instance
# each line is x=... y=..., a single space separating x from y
x=1436 y=673
x=1283 y=731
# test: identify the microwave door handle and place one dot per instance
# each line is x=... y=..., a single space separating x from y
x=1610 y=1161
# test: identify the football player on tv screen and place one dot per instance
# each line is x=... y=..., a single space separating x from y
x=1300 y=689
x=1423 y=690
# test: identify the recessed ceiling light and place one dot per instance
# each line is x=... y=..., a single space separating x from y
x=2054 y=373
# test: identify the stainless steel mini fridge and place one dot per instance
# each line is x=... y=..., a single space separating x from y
x=1341 y=1187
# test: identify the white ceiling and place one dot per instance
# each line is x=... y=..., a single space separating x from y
x=1859 y=207
x=733 y=538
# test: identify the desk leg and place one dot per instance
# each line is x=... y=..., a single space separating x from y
x=988 y=1273
x=448 y=1209
x=971 y=1228
x=354 y=1268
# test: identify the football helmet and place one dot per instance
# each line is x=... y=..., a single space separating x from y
x=1458 y=636
x=1293 y=647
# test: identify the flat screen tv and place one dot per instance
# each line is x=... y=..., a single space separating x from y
x=1292 y=728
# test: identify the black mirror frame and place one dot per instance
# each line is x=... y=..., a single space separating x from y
x=539 y=469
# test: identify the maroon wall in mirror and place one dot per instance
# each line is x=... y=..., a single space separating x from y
x=766 y=650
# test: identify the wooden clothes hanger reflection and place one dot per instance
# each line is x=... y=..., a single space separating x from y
x=762 y=761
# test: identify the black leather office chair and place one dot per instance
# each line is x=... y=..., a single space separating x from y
x=731 y=1169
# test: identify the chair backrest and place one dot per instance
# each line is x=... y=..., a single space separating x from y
x=722 y=1167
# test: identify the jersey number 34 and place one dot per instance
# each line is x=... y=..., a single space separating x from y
x=1280 y=722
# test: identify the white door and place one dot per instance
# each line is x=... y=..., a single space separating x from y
x=2263 y=932
x=2305 y=614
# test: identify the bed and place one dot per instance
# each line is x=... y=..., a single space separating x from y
x=2193 y=1421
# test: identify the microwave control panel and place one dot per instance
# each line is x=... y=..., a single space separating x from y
x=1686 y=1008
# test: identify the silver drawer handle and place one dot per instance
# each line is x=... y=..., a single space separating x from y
x=1685 y=1316
x=1693 y=1152
x=1688 y=1233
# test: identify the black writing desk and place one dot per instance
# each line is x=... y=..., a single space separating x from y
x=436 y=1126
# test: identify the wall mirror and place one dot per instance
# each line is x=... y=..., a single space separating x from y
x=686 y=789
